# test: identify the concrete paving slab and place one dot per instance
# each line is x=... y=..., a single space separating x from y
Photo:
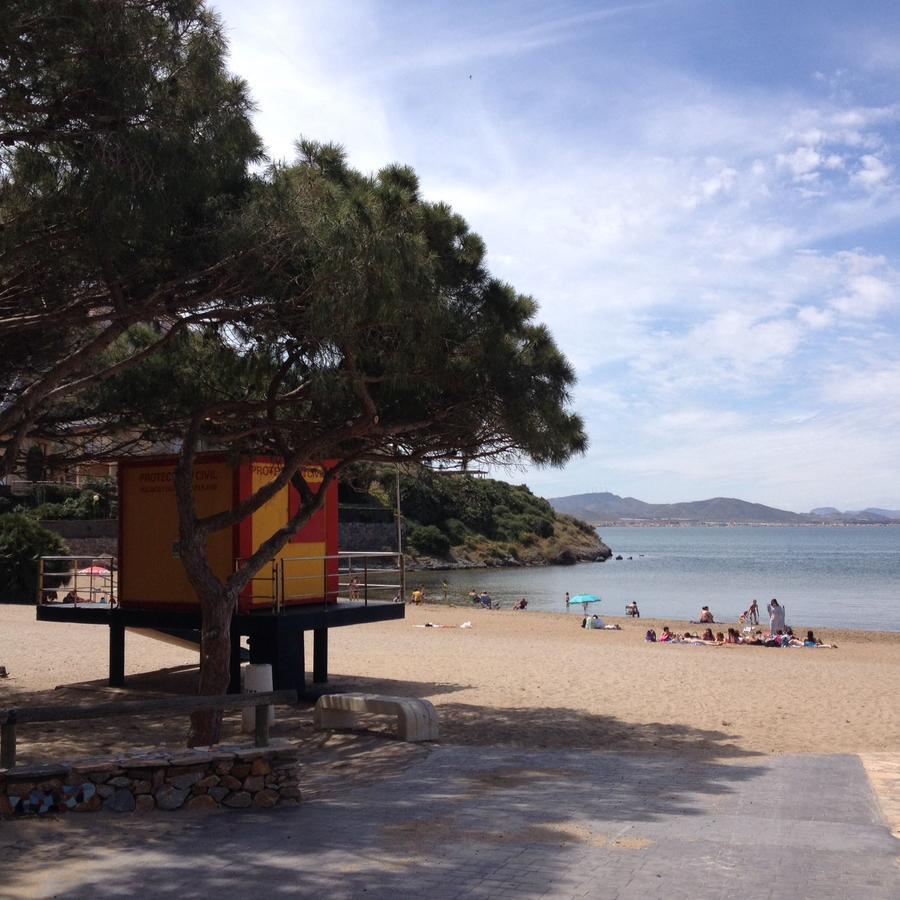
x=483 y=822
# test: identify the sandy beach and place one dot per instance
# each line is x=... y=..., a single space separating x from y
x=524 y=679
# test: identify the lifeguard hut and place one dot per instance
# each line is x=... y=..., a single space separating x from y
x=310 y=585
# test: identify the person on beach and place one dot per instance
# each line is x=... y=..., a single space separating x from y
x=445 y=588
x=706 y=616
x=521 y=604
x=631 y=609
x=754 y=612
x=354 y=588
x=568 y=601
x=666 y=635
x=708 y=635
x=418 y=595
x=776 y=616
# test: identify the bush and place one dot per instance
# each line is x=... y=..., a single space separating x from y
x=429 y=539
x=23 y=541
x=456 y=531
x=96 y=500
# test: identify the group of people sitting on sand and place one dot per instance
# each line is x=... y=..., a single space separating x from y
x=597 y=622
x=785 y=638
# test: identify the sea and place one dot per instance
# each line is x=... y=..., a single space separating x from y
x=839 y=577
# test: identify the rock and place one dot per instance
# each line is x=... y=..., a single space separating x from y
x=120 y=781
x=238 y=800
x=241 y=770
x=209 y=781
x=192 y=758
x=169 y=797
x=105 y=790
x=204 y=801
x=290 y=791
x=144 y=803
x=144 y=761
x=175 y=771
x=158 y=779
x=222 y=768
x=139 y=774
x=121 y=801
x=198 y=791
x=183 y=782
x=24 y=787
x=260 y=767
x=99 y=777
x=248 y=754
x=53 y=784
x=254 y=783
x=140 y=787
x=218 y=793
x=232 y=783
x=101 y=765
x=265 y=799
x=36 y=773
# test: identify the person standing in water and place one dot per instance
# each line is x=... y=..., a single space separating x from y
x=754 y=612
x=568 y=601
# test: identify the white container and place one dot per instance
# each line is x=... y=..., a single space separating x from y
x=256 y=678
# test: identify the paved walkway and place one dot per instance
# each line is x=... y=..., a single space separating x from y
x=493 y=823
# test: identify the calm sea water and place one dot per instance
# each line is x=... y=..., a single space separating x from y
x=838 y=577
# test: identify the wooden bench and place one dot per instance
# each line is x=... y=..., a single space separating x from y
x=416 y=719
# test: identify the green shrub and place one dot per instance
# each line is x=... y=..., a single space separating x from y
x=23 y=541
x=456 y=531
x=429 y=539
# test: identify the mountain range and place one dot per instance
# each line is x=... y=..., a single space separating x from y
x=606 y=508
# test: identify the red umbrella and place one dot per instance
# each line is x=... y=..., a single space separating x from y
x=94 y=570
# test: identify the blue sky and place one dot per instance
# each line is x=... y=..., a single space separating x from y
x=701 y=194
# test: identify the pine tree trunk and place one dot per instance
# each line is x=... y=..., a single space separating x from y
x=215 y=666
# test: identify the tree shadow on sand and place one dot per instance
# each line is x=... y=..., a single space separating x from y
x=53 y=742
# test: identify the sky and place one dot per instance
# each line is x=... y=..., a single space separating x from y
x=702 y=195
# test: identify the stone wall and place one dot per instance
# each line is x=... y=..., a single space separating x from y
x=202 y=778
x=363 y=536
x=87 y=537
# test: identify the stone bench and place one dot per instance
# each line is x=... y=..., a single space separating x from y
x=416 y=719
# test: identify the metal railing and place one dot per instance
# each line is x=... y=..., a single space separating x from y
x=77 y=580
x=351 y=576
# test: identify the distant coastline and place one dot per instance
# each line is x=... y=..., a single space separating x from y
x=620 y=523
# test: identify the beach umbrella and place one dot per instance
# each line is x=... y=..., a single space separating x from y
x=94 y=570
x=585 y=599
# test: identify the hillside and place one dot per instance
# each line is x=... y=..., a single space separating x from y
x=606 y=507
x=460 y=521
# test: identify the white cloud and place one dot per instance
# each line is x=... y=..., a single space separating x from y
x=872 y=172
x=814 y=318
x=867 y=296
x=803 y=161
